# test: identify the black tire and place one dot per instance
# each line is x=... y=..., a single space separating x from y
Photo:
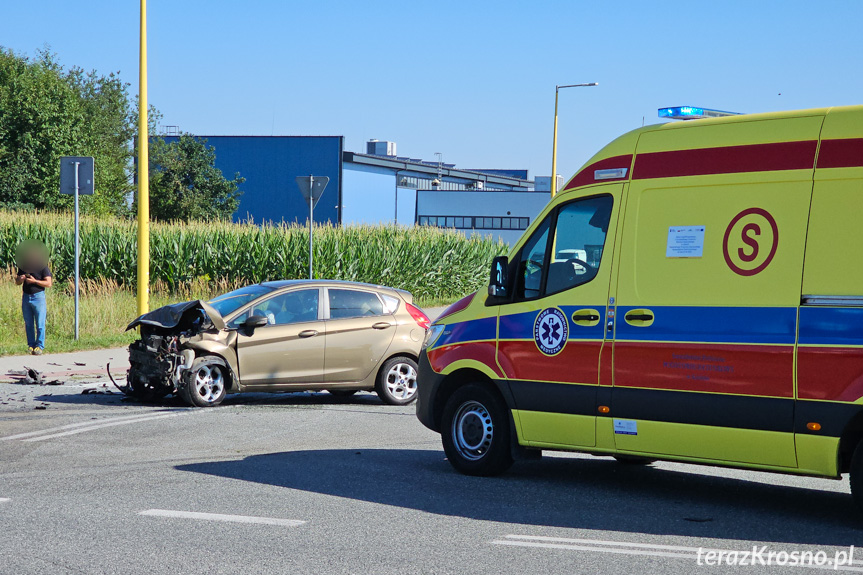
x=475 y=431
x=205 y=384
x=342 y=392
x=633 y=460
x=397 y=381
x=856 y=478
x=143 y=388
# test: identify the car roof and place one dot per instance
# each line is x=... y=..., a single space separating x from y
x=279 y=284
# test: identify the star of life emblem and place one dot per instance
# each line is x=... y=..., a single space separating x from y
x=550 y=331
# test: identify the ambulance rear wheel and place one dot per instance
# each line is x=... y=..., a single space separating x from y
x=857 y=476
x=475 y=431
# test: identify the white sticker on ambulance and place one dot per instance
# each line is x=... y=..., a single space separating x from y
x=685 y=242
x=625 y=427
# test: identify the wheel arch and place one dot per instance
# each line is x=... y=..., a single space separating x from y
x=461 y=377
x=852 y=435
x=205 y=351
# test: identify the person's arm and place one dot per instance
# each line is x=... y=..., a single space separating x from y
x=45 y=283
x=19 y=279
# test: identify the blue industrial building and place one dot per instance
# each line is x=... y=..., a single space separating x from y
x=378 y=187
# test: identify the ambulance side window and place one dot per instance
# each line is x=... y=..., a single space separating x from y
x=579 y=238
x=573 y=257
x=532 y=262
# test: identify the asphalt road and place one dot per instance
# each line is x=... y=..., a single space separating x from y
x=308 y=483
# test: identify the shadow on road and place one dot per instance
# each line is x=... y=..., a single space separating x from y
x=598 y=494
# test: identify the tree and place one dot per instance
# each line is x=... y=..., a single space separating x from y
x=185 y=183
x=47 y=112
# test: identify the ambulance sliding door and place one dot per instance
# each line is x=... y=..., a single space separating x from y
x=551 y=336
x=708 y=292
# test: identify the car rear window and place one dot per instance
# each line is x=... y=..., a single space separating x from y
x=349 y=303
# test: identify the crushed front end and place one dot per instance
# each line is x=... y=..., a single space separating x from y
x=159 y=358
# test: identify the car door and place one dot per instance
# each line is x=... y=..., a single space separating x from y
x=551 y=335
x=289 y=350
x=359 y=332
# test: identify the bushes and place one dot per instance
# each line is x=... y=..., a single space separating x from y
x=432 y=264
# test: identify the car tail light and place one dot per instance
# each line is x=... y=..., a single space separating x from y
x=422 y=319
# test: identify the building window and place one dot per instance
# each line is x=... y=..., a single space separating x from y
x=480 y=223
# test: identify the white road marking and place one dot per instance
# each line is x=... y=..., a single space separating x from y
x=92 y=422
x=108 y=424
x=4 y=499
x=626 y=548
x=221 y=517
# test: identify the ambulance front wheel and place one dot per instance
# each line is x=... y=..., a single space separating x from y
x=475 y=431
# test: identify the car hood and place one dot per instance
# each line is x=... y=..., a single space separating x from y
x=194 y=314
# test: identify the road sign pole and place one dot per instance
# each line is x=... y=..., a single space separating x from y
x=77 y=247
x=311 y=219
x=312 y=189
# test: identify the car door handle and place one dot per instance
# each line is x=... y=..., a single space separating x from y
x=308 y=333
x=638 y=317
x=382 y=325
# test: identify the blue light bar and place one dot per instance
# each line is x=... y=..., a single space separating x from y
x=692 y=113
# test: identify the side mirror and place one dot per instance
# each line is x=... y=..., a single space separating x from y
x=498 y=283
x=253 y=322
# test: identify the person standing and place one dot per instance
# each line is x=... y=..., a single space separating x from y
x=35 y=276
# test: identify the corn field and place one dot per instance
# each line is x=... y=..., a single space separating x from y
x=432 y=264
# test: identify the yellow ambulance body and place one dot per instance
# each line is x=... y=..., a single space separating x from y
x=693 y=294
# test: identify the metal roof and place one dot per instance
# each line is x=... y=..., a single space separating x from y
x=431 y=168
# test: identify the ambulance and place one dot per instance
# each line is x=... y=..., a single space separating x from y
x=693 y=294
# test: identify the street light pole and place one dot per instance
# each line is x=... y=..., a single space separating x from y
x=557 y=90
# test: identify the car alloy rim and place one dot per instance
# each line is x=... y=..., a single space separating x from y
x=402 y=381
x=472 y=430
x=209 y=382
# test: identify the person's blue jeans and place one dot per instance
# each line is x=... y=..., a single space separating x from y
x=34 y=309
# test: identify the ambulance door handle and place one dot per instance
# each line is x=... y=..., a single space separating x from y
x=586 y=317
x=639 y=317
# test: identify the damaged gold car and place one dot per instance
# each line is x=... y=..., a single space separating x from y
x=280 y=336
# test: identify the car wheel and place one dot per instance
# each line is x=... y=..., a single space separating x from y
x=857 y=476
x=397 y=381
x=205 y=383
x=475 y=431
x=633 y=460
x=342 y=392
x=143 y=388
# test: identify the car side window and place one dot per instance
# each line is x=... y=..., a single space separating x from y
x=579 y=239
x=352 y=303
x=531 y=262
x=291 y=307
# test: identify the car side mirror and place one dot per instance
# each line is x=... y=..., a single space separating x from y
x=253 y=322
x=498 y=283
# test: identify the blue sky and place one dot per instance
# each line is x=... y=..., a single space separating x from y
x=472 y=80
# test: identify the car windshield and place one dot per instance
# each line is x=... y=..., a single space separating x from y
x=232 y=301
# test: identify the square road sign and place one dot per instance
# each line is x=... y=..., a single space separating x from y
x=86 y=181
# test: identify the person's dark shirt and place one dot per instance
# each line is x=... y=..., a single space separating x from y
x=29 y=288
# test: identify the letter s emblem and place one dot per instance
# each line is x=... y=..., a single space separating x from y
x=749 y=241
